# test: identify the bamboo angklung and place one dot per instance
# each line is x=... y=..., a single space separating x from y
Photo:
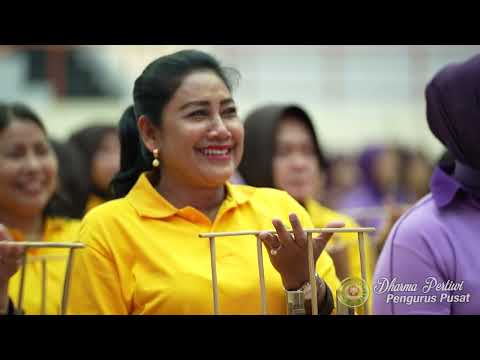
x=311 y=272
x=66 y=284
x=44 y=286
x=311 y=260
x=22 y=281
x=363 y=264
x=261 y=274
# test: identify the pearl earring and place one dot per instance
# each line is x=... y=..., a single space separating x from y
x=155 y=162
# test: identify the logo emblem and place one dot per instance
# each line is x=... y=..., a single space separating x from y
x=353 y=292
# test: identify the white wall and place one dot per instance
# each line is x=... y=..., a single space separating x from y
x=356 y=94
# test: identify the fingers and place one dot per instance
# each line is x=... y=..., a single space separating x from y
x=321 y=241
x=4 y=234
x=11 y=261
x=300 y=237
x=11 y=254
x=270 y=240
x=284 y=236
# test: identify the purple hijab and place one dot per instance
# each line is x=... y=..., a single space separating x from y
x=453 y=115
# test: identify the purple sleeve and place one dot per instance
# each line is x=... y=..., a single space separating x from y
x=413 y=264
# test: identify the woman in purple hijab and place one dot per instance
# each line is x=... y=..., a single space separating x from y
x=430 y=262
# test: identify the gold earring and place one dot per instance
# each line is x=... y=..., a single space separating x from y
x=155 y=162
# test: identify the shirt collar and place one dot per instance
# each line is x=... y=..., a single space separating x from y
x=146 y=200
x=443 y=187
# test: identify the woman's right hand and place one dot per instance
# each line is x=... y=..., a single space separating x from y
x=10 y=256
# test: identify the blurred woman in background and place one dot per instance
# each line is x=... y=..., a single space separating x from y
x=378 y=191
x=379 y=179
x=28 y=185
x=72 y=187
x=342 y=177
x=415 y=172
x=282 y=151
x=100 y=148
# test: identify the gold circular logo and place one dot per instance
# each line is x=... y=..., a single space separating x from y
x=353 y=292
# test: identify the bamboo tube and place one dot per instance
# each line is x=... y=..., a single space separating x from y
x=213 y=263
x=66 y=283
x=363 y=264
x=23 y=273
x=44 y=287
x=261 y=273
x=311 y=271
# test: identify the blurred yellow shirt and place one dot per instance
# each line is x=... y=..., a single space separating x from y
x=144 y=256
x=321 y=216
x=52 y=261
x=93 y=201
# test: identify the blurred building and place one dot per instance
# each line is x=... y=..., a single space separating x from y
x=357 y=94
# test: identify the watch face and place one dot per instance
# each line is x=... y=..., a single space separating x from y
x=353 y=292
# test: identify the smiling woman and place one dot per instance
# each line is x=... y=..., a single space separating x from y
x=28 y=169
x=180 y=143
x=28 y=183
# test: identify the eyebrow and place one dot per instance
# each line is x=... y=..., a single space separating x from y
x=205 y=103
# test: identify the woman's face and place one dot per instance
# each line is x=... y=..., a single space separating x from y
x=200 y=141
x=386 y=169
x=418 y=175
x=345 y=173
x=295 y=164
x=28 y=169
x=106 y=161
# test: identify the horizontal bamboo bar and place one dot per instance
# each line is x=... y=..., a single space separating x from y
x=41 y=244
x=308 y=231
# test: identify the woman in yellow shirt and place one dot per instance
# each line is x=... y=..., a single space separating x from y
x=179 y=146
x=282 y=151
x=28 y=184
x=100 y=149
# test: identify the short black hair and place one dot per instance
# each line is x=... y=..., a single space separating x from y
x=18 y=111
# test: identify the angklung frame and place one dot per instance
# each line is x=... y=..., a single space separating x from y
x=68 y=272
x=311 y=261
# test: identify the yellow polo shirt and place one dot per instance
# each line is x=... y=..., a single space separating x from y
x=144 y=256
x=321 y=216
x=56 y=230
